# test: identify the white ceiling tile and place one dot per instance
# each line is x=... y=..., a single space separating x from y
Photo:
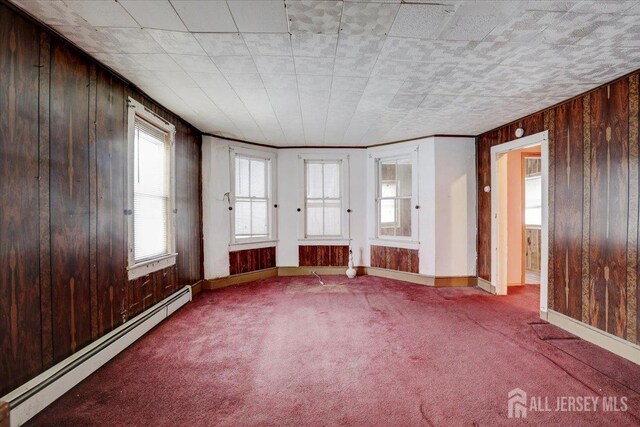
x=90 y=39
x=354 y=67
x=222 y=44
x=316 y=17
x=195 y=63
x=157 y=62
x=315 y=66
x=207 y=16
x=102 y=13
x=259 y=16
x=175 y=79
x=133 y=40
x=249 y=82
x=368 y=18
x=608 y=6
x=119 y=61
x=279 y=82
x=317 y=45
x=52 y=12
x=424 y=21
x=177 y=42
x=353 y=46
x=474 y=21
x=157 y=14
x=282 y=65
x=268 y=44
x=235 y=64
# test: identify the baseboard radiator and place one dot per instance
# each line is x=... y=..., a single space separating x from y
x=30 y=398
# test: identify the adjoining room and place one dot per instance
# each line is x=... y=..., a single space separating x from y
x=314 y=212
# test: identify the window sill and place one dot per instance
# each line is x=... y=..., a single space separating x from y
x=319 y=241
x=404 y=244
x=152 y=265
x=254 y=244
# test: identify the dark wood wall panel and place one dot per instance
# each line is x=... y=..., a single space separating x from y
x=69 y=184
x=20 y=325
x=593 y=204
x=323 y=255
x=567 y=268
x=248 y=260
x=395 y=258
x=111 y=163
x=63 y=136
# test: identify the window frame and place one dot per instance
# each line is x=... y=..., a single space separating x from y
x=412 y=156
x=137 y=111
x=345 y=204
x=323 y=199
x=270 y=160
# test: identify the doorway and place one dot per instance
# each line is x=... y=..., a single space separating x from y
x=519 y=232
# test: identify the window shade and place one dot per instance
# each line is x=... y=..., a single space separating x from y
x=151 y=205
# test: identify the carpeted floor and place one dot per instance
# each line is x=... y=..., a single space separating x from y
x=372 y=351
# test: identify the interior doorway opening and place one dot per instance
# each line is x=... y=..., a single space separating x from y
x=519 y=214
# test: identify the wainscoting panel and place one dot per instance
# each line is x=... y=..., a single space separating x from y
x=323 y=256
x=248 y=260
x=395 y=258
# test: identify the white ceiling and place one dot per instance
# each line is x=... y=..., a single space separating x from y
x=353 y=72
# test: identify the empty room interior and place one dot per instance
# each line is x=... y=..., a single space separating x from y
x=319 y=213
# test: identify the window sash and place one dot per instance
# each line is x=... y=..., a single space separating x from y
x=397 y=224
x=253 y=233
x=323 y=203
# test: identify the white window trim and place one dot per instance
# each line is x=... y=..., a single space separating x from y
x=143 y=268
x=404 y=154
x=271 y=159
x=345 y=235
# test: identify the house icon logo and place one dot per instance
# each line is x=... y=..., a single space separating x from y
x=517 y=403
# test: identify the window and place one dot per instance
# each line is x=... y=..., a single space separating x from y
x=251 y=198
x=323 y=198
x=150 y=205
x=394 y=196
x=533 y=192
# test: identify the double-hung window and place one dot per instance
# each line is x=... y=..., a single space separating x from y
x=394 y=197
x=323 y=198
x=151 y=182
x=251 y=198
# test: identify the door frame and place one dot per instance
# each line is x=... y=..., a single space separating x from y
x=497 y=250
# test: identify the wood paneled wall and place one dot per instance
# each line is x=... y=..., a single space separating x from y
x=63 y=280
x=323 y=255
x=395 y=258
x=248 y=260
x=593 y=205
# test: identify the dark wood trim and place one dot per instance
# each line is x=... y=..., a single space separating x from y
x=336 y=147
x=454 y=281
x=93 y=202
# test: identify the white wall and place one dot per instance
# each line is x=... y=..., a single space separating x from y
x=446 y=219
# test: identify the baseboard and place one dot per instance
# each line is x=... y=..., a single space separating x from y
x=32 y=397
x=455 y=281
x=4 y=414
x=600 y=338
x=485 y=285
x=196 y=288
x=304 y=271
x=403 y=276
x=236 y=279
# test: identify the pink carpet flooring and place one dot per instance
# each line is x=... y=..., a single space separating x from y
x=372 y=351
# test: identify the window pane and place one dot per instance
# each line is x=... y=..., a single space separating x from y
x=314 y=180
x=150 y=226
x=533 y=200
x=332 y=219
x=259 y=218
x=258 y=178
x=242 y=177
x=332 y=180
x=404 y=224
x=150 y=164
x=314 y=218
x=243 y=218
x=388 y=211
x=388 y=189
x=388 y=170
x=403 y=173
